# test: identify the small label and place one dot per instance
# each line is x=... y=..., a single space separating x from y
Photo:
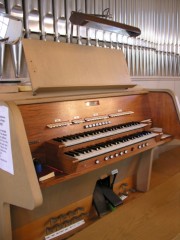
x=92 y=103
x=64 y=230
x=115 y=171
x=123 y=197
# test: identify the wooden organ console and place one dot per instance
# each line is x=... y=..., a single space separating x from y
x=83 y=132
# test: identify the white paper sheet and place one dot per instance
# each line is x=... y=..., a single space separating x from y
x=6 y=160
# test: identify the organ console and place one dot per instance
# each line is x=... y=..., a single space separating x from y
x=85 y=121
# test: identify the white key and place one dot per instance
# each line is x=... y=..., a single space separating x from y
x=68 y=143
x=103 y=150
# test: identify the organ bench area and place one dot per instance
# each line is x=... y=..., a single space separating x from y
x=98 y=144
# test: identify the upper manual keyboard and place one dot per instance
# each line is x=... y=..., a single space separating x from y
x=78 y=138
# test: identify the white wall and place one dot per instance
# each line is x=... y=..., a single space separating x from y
x=172 y=83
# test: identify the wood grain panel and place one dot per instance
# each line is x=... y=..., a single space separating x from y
x=164 y=113
x=37 y=116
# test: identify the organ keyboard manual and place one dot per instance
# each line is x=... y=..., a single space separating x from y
x=91 y=126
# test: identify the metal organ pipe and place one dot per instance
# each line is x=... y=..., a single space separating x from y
x=154 y=53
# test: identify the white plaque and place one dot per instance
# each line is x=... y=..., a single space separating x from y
x=6 y=161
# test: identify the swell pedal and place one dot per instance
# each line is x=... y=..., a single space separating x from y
x=100 y=201
x=110 y=196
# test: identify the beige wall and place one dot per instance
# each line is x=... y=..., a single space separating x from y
x=172 y=83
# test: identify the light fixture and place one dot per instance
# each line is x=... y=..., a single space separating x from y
x=104 y=24
x=10 y=33
x=10 y=29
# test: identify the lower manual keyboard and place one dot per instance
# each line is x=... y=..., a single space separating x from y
x=105 y=147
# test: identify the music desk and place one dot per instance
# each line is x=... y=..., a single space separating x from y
x=153 y=216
